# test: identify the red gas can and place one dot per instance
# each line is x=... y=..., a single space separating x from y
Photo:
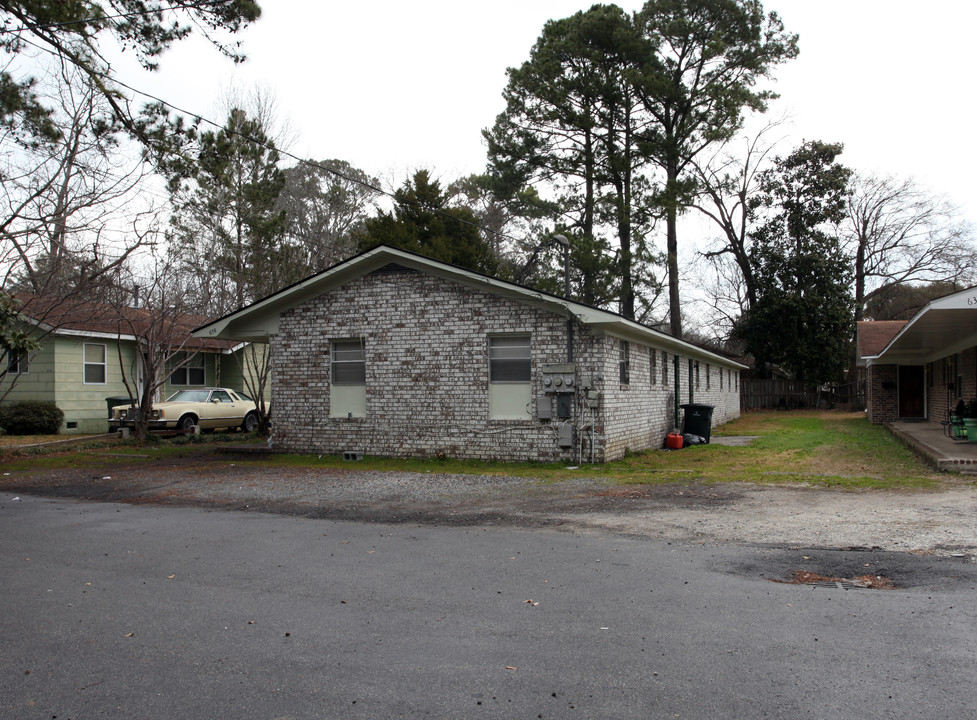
x=673 y=441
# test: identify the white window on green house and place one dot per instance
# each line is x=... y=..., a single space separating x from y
x=95 y=357
x=624 y=361
x=347 y=391
x=510 y=377
x=191 y=372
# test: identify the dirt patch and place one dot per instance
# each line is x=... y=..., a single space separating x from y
x=935 y=522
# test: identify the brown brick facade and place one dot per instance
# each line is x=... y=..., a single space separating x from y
x=947 y=380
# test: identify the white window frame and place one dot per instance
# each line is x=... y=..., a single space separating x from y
x=510 y=399
x=86 y=363
x=347 y=395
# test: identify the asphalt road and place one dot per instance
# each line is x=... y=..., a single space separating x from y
x=122 y=611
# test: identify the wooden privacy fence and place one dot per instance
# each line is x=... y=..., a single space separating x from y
x=797 y=395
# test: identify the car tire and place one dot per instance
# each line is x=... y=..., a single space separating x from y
x=250 y=423
x=186 y=423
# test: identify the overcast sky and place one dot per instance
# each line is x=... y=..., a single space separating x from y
x=391 y=86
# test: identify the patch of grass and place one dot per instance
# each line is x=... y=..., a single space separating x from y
x=823 y=449
x=827 y=449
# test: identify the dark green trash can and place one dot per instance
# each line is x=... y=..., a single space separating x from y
x=115 y=401
x=697 y=420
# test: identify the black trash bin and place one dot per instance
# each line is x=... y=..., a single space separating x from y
x=697 y=420
x=112 y=402
x=115 y=401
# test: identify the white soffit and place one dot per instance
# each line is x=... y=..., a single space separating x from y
x=942 y=328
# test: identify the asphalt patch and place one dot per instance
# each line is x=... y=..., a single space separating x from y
x=896 y=570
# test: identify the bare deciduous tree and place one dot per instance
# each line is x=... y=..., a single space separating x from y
x=160 y=328
x=70 y=216
x=899 y=233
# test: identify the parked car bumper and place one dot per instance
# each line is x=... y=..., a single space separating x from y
x=115 y=424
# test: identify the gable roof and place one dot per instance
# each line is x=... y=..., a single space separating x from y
x=59 y=316
x=874 y=335
x=943 y=327
x=259 y=320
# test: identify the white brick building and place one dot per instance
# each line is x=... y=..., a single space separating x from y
x=391 y=353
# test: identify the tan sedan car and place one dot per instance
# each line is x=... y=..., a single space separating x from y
x=209 y=408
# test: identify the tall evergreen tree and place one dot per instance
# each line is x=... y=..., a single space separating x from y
x=700 y=77
x=424 y=222
x=803 y=318
x=227 y=226
x=73 y=32
x=572 y=122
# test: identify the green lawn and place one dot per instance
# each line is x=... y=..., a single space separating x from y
x=817 y=448
x=812 y=448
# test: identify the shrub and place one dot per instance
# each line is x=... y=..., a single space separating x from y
x=31 y=417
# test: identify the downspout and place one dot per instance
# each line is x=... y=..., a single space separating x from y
x=678 y=387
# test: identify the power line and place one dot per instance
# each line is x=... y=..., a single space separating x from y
x=269 y=146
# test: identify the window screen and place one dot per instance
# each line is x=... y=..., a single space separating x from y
x=348 y=362
x=509 y=359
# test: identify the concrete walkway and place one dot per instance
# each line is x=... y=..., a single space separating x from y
x=929 y=440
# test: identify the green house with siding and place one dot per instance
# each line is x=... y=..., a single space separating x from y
x=84 y=351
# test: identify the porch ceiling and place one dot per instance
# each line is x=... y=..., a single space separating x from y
x=934 y=333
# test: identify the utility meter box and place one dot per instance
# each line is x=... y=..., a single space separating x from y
x=559 y=378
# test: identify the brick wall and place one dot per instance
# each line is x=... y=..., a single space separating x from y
x=426 y=351
x=883 y=393
x=939 y=397
x=642 y=412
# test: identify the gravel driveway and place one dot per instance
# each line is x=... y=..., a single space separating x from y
x=941 y=522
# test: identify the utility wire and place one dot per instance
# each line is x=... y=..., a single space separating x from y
x=269 y=146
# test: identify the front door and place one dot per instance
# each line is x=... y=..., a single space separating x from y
x=912 y=391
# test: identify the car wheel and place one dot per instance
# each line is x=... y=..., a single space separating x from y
x=250 y=423
x=187 y=422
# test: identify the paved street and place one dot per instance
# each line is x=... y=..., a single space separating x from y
x=129 y=611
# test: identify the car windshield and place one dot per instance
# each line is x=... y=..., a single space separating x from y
x=189 y=396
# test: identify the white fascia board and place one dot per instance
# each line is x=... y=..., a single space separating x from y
x=93 y=334
x=260 y=320
x=624 y=330
x=963 y=300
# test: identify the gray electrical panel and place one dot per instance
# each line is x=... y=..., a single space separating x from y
x=564 y=437
x=544 y=407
